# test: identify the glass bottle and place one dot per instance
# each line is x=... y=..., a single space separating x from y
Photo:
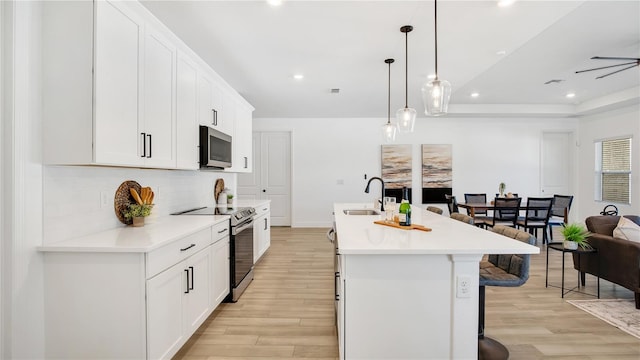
x=404 y=211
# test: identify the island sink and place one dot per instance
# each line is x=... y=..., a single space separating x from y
x=360 y=212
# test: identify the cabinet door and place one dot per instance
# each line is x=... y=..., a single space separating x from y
x=265 y=237
x=165 y=301
x=157 y=134
x=242 y=140
x=208 y=113
x=187 y=114
x=220 y=271
x=257 y=236
x=117 y=78
x=228 y=117
x=197 y=296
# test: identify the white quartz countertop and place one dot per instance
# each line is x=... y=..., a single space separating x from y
x=357 y=234
x=154 y=234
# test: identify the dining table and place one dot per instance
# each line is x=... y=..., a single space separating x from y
x=473 y=207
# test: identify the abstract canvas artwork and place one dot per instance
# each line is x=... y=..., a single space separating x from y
x=396 y=166
x=437 y=173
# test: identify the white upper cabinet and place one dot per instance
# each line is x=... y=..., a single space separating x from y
x=213 y=110
x=242 y=138
x=116 y=83
x=116 y=93
x=187 y=113
x=207 y=112
x=158 y=129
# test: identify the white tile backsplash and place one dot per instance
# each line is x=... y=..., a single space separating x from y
x=72 y=195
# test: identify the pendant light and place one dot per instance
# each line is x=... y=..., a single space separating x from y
x=389 y=129
x=436 y=93
x=406 y=116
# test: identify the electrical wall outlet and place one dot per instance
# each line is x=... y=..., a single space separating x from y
x=463 y=288
x=104 y=199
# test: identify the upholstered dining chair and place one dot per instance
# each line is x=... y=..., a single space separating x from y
x=435 y=209
x=559 y=211
x=479 y=216
x=452 y=203
x=505 y=212
x=501 y=270
x=536 y=216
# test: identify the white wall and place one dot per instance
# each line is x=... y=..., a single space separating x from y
x=72 y=196
x=22 y=292
x=485 y=153
x=621 y=122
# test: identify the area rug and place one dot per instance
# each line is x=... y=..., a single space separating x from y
x=617 y=312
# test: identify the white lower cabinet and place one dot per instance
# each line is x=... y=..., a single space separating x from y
x=134 y=305
x=261 y=231
x=220 y=277
x=165 y=299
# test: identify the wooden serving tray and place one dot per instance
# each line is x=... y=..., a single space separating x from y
x=397 y=226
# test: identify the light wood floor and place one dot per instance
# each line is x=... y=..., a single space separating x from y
x=287 y=311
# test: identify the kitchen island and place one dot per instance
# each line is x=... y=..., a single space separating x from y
x=410 y=294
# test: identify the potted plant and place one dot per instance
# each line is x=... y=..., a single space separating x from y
x=501 y=188
x=141 y=208
x=138 y=212
x=575 y=235
x=229 y=199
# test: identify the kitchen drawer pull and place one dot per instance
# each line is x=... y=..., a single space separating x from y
x=265 y=223
x=187 y=271
x=215 y=117
x=188 y=247
x=223 y=230
x=246 y=162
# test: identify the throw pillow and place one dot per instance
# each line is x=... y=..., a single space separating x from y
x=627 y=229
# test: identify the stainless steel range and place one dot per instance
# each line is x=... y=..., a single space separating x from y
x=240 y=244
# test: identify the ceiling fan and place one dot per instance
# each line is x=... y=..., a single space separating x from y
x=633 y=62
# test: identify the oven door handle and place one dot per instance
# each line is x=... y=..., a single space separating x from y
x=244 y=226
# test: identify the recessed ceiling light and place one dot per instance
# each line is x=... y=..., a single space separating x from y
x=298 y=76
x=501 y=52
x=503 y=3
x=431 y=76
x=475 y=94
x=570 y=95
x=274 y=2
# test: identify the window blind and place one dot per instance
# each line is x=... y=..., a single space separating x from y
x=616 y=170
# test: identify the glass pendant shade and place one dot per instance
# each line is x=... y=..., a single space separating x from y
x=389 y=132
x=436 y=94
x=406 y=119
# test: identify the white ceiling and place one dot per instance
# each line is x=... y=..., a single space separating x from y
x=258 y=48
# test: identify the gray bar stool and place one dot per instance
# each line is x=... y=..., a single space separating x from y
x=501 y=270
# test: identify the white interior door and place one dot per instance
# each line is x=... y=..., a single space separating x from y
x=271 y=175
x=556 y=163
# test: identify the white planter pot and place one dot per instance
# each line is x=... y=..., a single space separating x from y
x=570 y=245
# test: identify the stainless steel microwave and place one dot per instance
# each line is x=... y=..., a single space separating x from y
x=215 y=148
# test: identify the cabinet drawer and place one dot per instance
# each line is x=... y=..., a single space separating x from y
x=177 y=251
x=262 y=209
x=221 y=231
